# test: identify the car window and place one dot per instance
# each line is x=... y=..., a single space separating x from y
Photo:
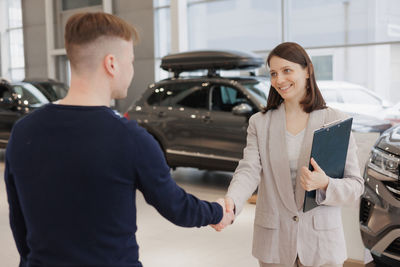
x=26 y=95
x=171 y=94
x=224 y=98
x=155 y=98
x=355 y=96
x=4 y=92
x=196 y=97
x=52 y=91
x=57 y=91
x=259 y=90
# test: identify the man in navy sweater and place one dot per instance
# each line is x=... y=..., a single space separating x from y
x=72 y=168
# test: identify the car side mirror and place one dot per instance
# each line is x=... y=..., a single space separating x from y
x=242 y=109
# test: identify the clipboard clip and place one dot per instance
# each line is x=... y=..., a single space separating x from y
x=327 y=125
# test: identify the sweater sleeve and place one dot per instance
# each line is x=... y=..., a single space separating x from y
x=17 y=221
x=161 y=191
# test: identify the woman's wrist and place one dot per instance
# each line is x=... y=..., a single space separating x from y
x=326 y=183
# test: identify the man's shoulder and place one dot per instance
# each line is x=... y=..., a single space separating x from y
x=31 y=117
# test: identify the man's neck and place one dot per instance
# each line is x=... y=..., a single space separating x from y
x=89 y=92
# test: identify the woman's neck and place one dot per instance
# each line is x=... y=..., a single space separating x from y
x=293 y=107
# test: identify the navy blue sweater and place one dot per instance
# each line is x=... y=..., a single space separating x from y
x=71 y=177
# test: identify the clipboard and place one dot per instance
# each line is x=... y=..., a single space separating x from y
x=329 y=149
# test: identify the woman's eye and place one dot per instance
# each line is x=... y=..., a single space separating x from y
x=273 y=74
x=286 y=70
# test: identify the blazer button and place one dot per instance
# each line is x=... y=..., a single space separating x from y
x=296 y=218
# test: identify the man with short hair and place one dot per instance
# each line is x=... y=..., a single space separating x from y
x=72 y=168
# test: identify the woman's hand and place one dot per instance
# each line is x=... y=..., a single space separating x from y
x=228 y=209
x=311 y=180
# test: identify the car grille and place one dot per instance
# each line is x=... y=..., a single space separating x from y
x=394 y=247
x=365 y=208
x=394 y=188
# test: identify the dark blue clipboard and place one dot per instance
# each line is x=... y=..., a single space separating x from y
x=329 y=149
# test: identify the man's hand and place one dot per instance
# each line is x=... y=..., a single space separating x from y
x=311 y=180
x=228 y=216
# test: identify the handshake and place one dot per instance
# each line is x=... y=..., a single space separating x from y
x=228 y=207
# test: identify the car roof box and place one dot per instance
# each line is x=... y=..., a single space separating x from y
x=210 y=60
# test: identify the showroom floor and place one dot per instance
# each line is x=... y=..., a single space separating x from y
x=161 y=242
x=164 y=244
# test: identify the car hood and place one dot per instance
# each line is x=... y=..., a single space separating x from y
x=390 y=141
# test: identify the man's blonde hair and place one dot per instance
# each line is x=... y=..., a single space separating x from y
x=84 y=28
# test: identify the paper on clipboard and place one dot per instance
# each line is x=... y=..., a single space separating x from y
x=329 y=149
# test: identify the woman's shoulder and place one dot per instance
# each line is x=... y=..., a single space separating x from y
x=260 y=115
x=335 y=114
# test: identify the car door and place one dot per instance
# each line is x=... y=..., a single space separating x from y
x=179 y=116
x=226 y=135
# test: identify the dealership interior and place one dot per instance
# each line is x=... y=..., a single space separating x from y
x=355 y=49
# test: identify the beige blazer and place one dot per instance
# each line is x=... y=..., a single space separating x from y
x=281 y=229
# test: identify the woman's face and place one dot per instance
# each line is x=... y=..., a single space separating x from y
x=288 y=78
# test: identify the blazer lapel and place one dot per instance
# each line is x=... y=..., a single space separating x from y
x=279 y=158
x=315 y=121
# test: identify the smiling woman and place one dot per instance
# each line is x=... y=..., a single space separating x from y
x=290 y=65
x=277 y=153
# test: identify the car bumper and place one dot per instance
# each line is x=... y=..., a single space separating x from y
x=380 y=217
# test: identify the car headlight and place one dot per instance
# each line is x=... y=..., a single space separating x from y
x=384 y=163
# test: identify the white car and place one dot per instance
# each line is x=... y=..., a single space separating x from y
x=352 y=98
x=392 y=114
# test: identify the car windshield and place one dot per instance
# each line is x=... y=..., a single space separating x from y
x=259 y=89
x=30 y=94
x=53 y=91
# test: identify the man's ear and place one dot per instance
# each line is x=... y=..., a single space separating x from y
x=110 y=63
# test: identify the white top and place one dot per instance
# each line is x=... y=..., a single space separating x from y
x=293 y=146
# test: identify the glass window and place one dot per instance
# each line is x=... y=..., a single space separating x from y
x=16 y=41
x=355 y=96
x=343 y=22
x=26 y=95
x=73 y=4
x=53 y=91
x=155 y=98
x=14 y=14
x=259 y=89
x=4 y=91
x=197 y=98
x=323 y=67
x=158 y=3
x=177 y=94
x=224 y=98
x=233 y=24
x=162 y=21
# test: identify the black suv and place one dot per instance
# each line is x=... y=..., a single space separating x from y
x=16 y=100
x=380 y=204
x=201 y=121
x=51 y=89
